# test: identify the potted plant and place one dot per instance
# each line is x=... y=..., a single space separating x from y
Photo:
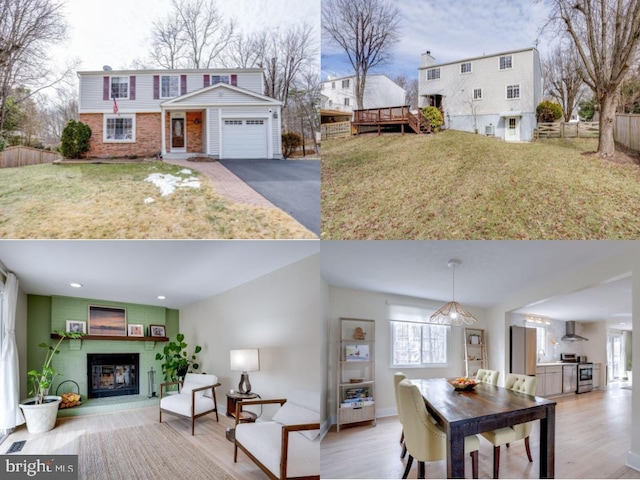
x=40 y=410
x=177 y=361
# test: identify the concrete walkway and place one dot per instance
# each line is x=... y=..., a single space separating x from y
x=226 y=183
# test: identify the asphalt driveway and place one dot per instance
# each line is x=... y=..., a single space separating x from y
x=291 y=185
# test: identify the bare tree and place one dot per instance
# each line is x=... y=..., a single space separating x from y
x=562 y=72
x=606 y=35
x=411 y=87
x=27 y=29
x=56 y=112
x=304 y=106
x=192 y=35
x=366 y=30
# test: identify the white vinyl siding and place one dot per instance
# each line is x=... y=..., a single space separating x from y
x=119 y=129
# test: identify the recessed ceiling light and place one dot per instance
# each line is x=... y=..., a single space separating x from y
x=75 y=285
x=161 y=297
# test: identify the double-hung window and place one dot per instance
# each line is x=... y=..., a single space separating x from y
x=119 y=128
x=345 y=83
x=465 y=67
x=513 y=91
x=477 y=94
x=119 y=87
x=506 y=62
x=220 y=79
x=433 y=74
x=169 y=86
x=414 y=341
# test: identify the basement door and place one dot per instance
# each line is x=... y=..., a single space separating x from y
x=512 y=129
x=244 y=138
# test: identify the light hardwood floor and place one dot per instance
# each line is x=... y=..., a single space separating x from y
x=209 y=436
x=592 y=439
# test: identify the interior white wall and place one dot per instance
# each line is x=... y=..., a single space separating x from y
x=345 y=302
x=280 y=314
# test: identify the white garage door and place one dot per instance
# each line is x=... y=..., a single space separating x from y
x=244 y=138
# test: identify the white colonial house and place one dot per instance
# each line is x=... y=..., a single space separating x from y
x=222 y=113
x=493 y=94
x=339 y=94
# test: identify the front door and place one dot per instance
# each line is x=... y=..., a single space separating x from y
x=512 y=129
x=177 y=134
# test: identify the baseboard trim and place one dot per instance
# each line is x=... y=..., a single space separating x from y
x=633 y=460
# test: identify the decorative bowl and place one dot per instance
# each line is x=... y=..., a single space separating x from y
x=463 y=383
x=356 y=380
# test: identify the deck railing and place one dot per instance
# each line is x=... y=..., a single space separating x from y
x=380 y=115
x=335 y=130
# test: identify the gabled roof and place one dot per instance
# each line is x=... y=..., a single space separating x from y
x=220 y=86
x=176 y=71
x=464 y=60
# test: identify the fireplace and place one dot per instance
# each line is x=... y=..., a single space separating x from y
x=113 y=374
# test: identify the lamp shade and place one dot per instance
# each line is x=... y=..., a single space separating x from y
x=246 y=360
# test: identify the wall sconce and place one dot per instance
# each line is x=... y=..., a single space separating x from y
x=196 y=121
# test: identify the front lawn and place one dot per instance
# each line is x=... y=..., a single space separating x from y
x=456 y=185
x=108 y=201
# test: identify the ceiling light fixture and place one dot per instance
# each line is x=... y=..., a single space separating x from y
x=75 y=285
x=453 y=313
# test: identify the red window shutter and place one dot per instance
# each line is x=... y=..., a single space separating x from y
x=183 y=84
x=132 y=87
x=207 y=78
x=156 y=87
x=106 y=83
x=234 y=80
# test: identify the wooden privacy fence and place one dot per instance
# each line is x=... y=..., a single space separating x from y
x=626 y=130
x=22 y=156
x=335 y=130
x=567 y=130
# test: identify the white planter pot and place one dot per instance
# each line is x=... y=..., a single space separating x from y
x=41 y=418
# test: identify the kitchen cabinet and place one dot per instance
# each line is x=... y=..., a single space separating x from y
x=553 y=380
x=540 y=374
x=596 y=375
x=569 y=378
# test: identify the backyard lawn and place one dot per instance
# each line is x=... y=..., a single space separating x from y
x=115 y=201
x=456 y=185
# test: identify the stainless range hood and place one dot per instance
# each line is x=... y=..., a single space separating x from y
x=571 y=334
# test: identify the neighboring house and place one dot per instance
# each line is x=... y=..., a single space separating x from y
x=218 y=112
x=493 y=94
x=339 y=94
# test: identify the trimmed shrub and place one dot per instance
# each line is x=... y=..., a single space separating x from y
x=291 y=141
x=435 y=116
x=548 y=111
x=75 y=139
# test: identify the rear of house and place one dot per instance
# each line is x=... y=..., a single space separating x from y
x=380 y=91
x=493 y=94
x=221 y=113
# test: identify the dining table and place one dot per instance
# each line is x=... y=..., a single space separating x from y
x=484 y=408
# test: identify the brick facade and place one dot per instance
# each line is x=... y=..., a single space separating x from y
x=194 y=132
x=147 y=144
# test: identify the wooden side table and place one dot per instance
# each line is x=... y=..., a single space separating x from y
x=232 y=400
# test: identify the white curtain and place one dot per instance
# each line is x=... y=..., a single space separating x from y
x=10 y=414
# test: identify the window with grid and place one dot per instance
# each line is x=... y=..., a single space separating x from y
x=477 y=94
x=414 y=341
x=433 y=74
x=346 y=102
x=513 y=91
x=170 y=86
x=465 y=67
x=219 y=79
x=345 y=83
x=119 y=128
x=506 y=62
x=119 y=87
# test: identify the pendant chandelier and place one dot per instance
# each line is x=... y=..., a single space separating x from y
x=453 y=313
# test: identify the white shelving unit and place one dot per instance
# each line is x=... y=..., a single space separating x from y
x=475 y=351
x=356 y=372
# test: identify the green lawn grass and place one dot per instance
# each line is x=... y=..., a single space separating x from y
x=108 y=201
x=455 y=185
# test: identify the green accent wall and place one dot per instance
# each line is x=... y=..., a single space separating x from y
x=46 y=314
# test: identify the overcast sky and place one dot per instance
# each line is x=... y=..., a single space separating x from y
x=452 y=30
x=117 y=32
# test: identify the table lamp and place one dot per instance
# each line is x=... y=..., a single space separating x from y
x=245 y=361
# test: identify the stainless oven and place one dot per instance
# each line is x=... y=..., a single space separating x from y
x=585 y=377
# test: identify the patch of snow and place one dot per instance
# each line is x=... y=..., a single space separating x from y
x=186 y=171
x=149 y=200
x=168 y=183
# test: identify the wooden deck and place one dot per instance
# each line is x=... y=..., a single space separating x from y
x=389 y=119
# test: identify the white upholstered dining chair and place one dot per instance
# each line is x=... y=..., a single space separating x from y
x=487 y=376
x=425 y=441
x=397 y=378
x=504 y=436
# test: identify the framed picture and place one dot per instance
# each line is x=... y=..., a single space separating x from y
x=357 y=353
x=136 y=330
x=107 y=321
x=157 y=331
x=76 y=326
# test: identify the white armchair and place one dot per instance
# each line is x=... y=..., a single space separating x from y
x=288 y=446
x=196 y=397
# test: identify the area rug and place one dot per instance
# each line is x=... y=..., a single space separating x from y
x=153 y=452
